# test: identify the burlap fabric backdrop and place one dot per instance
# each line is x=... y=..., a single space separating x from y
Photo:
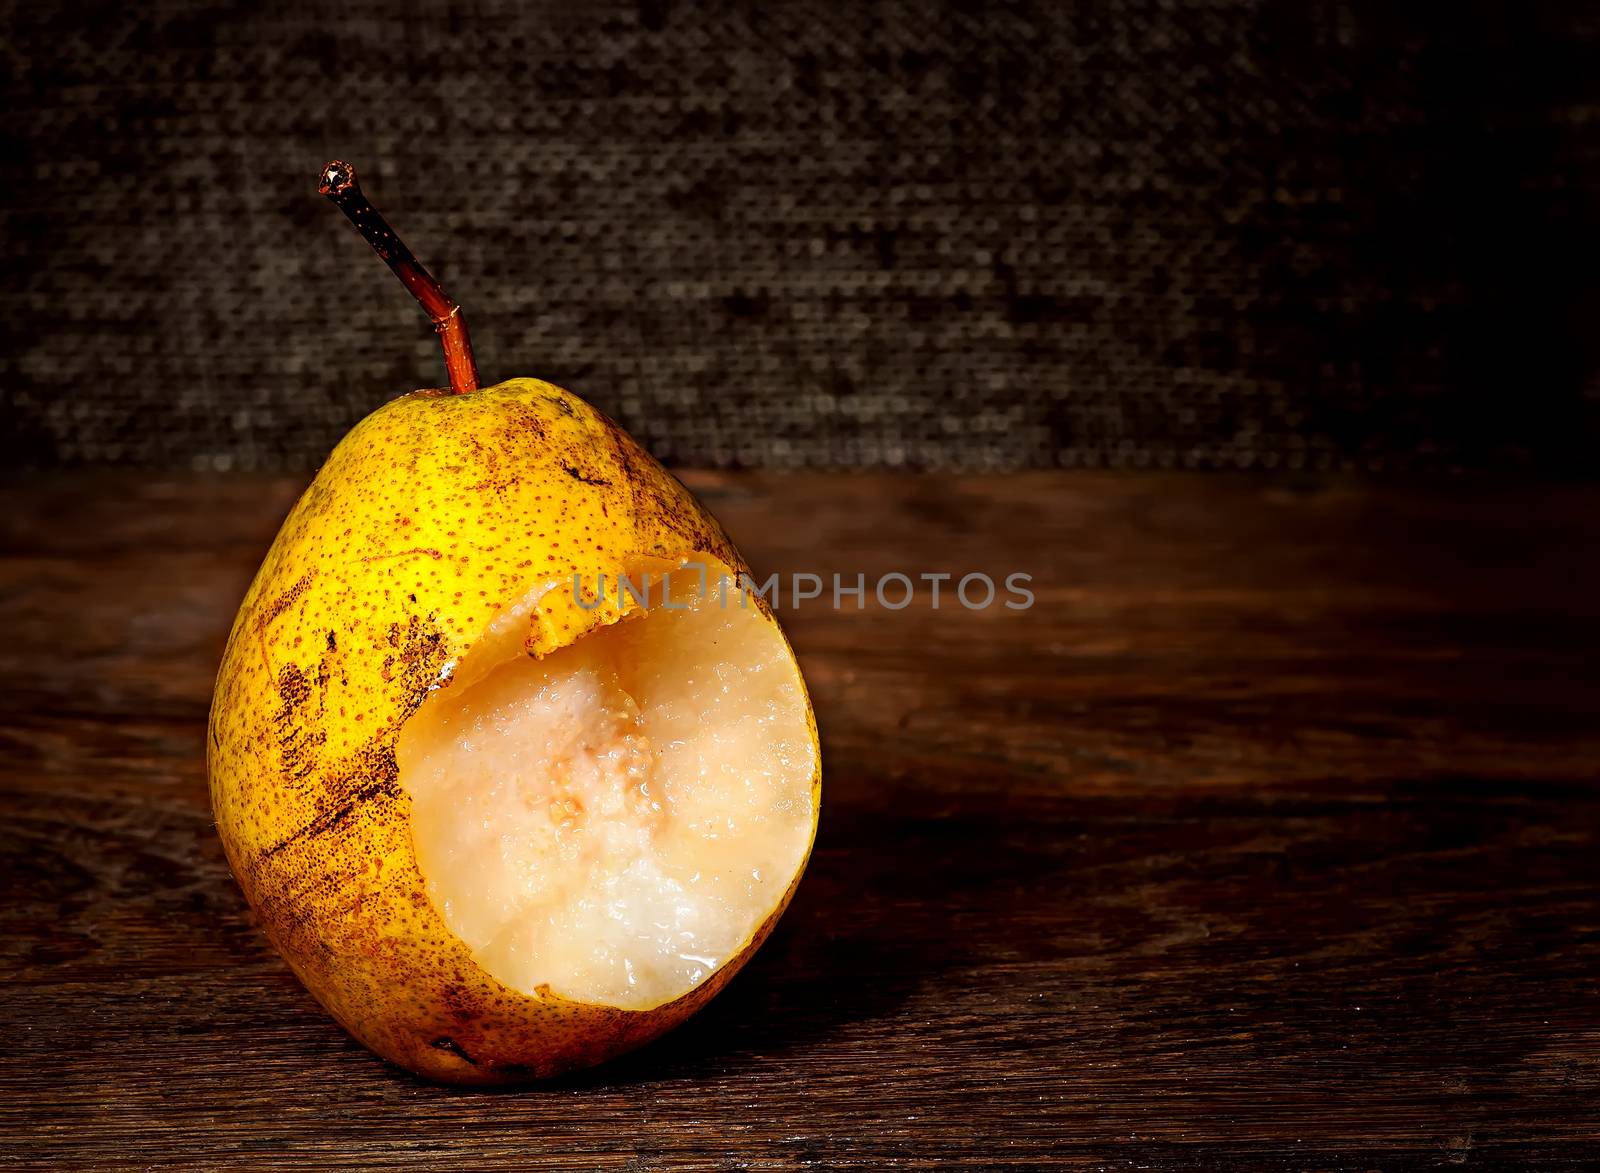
x=1119 y=233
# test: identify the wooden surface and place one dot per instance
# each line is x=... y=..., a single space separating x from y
x=1269 y=838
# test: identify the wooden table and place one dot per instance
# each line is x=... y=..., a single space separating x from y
x=1268 y=838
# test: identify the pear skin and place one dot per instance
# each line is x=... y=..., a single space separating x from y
x=431 y=523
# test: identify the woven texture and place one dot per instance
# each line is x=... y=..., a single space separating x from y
x=1147 y=234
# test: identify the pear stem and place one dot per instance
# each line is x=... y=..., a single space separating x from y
x=339 y=185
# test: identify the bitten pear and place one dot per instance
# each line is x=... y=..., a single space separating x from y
x=507 y=779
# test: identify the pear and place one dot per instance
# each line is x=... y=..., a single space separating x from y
x=510 y=770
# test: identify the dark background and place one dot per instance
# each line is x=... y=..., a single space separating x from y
x=824 y=234
x=1265 y=841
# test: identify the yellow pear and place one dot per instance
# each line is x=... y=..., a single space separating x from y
x=511 y=771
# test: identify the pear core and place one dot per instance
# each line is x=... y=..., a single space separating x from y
x=612 y=822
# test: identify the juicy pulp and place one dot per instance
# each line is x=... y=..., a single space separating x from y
x=612 y=822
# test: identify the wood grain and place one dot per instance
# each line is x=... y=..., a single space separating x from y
x=1269 y=838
